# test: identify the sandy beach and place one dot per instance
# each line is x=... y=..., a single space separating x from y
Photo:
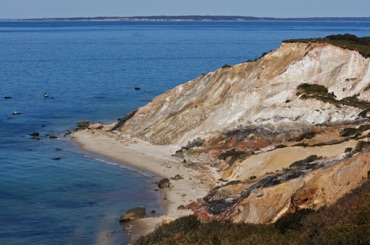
x=152 y=158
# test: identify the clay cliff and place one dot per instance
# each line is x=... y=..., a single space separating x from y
x=287 y=131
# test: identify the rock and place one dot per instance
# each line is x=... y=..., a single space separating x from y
x=181 y=207
x=164 y=183
x=177 y=177
x=35 y=134
x=53 y=137
x=57 y=158
x=83 y=125
x=96 y=126
x=16 y=113
x=137 y=88
x=133 y=214
x=7 y=97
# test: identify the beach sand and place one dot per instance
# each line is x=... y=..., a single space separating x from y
x=152 y=158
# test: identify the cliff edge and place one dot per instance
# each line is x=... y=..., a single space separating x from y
x=285 y=132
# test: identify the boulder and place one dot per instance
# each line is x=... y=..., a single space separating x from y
x=83 y=124
x=181 y=207
x=95 y=126
x=133 y=214
x=177 y=177
x=35 y=134
x=164 y=183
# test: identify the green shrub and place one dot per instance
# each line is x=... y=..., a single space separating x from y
x=312 y=89
x=348 y=41
x=292 y=221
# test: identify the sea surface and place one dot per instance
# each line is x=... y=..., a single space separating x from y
x=50 y=191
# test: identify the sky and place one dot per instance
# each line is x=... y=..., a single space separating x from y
x=125 y=8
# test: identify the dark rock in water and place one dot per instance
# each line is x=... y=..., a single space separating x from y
x=53 y=137
x=83 y=125
x=133 y=214
x=153 y=212
x=67 y=133
x=57 y=158
x=177 y=177
x=137 y=88
x=35 y=134
x=7 y=97
x=16 y=113
x=164 y=183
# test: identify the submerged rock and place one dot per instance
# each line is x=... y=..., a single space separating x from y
x=35 y=134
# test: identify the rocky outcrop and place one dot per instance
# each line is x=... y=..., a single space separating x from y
x=95 y=126
x=285 y=132
x=133 y=214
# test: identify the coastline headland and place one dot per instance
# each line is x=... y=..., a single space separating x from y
x=257 y=140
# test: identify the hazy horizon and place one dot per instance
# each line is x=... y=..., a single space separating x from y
x=25 y=9
x=184 y=16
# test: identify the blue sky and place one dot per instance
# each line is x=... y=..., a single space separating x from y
x=259 y=8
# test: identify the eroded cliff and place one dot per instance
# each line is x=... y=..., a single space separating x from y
x=285 y=132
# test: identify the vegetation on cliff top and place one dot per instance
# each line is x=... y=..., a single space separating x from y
x=346 y=222
x=348 y=41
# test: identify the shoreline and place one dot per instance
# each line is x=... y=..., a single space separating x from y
x=155 y=159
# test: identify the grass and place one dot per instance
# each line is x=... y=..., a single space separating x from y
x=346 y=222
x=320 y=92
x=348 y=41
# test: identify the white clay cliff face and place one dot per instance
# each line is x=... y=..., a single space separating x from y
x=256 y=93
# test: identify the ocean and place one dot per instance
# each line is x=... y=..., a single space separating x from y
x=50 y=191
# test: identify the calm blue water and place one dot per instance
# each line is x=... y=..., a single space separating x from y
x=89 y=71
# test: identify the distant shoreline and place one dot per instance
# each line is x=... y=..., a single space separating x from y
x=194 y=18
